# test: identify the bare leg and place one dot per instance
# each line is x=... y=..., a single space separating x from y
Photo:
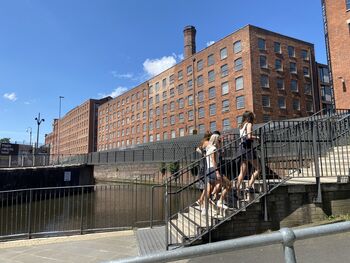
x=256 y=173
x=242 y=173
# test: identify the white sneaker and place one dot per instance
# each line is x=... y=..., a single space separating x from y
x=222 y=205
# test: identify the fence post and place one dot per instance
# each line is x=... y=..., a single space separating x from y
x=10 y=161
x=263 y=170
x=151 y=206
x=29 y=214
x=166 y=217
x=22 y=160
x=81 y=210
x=288 y=245
x=316 y=163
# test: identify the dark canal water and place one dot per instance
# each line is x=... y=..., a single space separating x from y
x=78 y=209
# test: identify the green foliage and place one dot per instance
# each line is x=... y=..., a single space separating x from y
x=5 y=140
x=174 y=167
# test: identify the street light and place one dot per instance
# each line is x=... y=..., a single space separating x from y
x=29 y=129
x=38 y=121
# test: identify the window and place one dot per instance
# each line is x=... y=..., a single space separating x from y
x=238 y=64
x=282 y=102
x=294 y=85
x=165 y=108
x=181 y=117
x=226 y=125
x=240 y=104
x=224 y=88
x=190 y=100
x=157 y=124
x=213 y=126
x=180 y=89
x=150 y=91
x=211 y=76
x=296 y=104
x=305 y=54
x=293 y=67
x=200 y=96
x=201 y=128
x=212 y=93
x=158 y=137
x=278 y=65
x=239 y=119
x=172 y=106
x=151 y=126
x=280 y=83
x=201 y=112
x=172 y=119
x=212 y=109
x=179 y=75
x=264 y=81
x=291 y=51
x=223 y=53
x=157 y=86
x=189 y=84
x=261 y=44
x=309 y=106
x=266 y=118
x=171 y=79
x=189 y=70
x=266 y=101
x=224 y=70
x=172 y=92
x=144 y=127
x=324 y=75
x=151 y=138
x=157 y=98
x=181 y=103
x=306 y=72
x=150 y=113
x=307 y=89
x=210 y=59
x=263 y=62
x=239 y=83
x=165 y=135
x=181 y=132
x=199 y=65
x=165 y=122
x=164 y=95
x=164 y=83
x=237 y=47
x=277 y=47
x=199 y=80
x=190 y=130
x=225 y=106
x=190 y=115
x=157 y=111
x=144 y=103
x=173 y=134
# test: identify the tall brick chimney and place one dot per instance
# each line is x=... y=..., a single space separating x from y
x=189 y=41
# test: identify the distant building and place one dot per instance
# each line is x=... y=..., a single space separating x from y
x=325 y=85
x=251 y=69
x=75 y=132
x=336 y=14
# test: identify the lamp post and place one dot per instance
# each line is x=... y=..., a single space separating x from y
x=38 y=121
x=58 y=126
x=29 y=129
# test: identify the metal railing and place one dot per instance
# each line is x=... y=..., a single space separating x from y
x=77 y=209
x=286 y=149
x=286 y=236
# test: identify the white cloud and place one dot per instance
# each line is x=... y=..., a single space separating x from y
x=122 y=76
x=10 y=96
x=210 y=43
x=115 y=93
x=155 y=66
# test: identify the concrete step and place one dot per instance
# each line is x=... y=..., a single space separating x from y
x=188 y=227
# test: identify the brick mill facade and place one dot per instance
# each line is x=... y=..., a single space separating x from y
x=337 y=32
x=251 y=69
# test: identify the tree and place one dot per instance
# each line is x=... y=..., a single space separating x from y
x=5 y=140
x=174 y=167
x=162 y=168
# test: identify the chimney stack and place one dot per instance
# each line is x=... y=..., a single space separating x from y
x=189 y=41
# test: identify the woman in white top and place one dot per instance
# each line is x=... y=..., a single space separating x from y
x=247 y=152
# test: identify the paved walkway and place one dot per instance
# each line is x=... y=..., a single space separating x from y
x=104 y=247
x=87 y=248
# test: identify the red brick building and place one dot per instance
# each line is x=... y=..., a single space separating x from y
x=251 y=69
x=337 y=32
x=75 y=132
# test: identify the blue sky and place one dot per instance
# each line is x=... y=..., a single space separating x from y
x=83 y=49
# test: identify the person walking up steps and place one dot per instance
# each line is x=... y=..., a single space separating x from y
x=248 y=154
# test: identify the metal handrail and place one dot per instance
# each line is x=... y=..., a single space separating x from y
x=285 y=236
